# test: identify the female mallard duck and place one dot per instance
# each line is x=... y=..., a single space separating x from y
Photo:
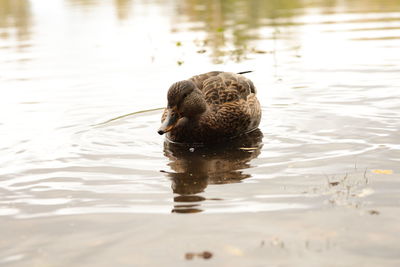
x=210 y=107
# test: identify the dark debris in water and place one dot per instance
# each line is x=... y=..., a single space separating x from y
x=334 y=183
x=373 y=212
x=204 y=255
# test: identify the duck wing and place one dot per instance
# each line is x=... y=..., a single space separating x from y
x=199 y=79
x=223 y=87
x=231 y=119
x=232 y=98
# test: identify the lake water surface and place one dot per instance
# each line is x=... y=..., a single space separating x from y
x=85 y=180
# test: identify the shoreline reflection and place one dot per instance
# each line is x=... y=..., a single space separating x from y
x=196 y=168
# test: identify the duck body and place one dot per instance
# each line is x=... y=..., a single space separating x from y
x=210 y=107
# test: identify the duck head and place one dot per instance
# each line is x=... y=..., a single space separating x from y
x=185 y=103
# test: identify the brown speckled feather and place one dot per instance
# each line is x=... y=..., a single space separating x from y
x=221 y=87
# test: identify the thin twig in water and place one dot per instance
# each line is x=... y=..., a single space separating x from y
x=327 y=178
x=126 y=115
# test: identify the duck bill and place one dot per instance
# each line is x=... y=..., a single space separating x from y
x=169 y=122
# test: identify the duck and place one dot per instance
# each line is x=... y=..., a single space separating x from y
x=210 y=108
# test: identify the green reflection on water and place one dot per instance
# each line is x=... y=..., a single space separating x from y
x=231 y=26
x=234 y=23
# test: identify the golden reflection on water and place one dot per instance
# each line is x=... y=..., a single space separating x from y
x=15 y=14
x=122 y=7
x=196 y=168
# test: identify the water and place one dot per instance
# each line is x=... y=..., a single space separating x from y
x=86 y=180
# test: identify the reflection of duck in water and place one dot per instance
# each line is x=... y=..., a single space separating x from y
x=210 y=107
x=196 y=167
